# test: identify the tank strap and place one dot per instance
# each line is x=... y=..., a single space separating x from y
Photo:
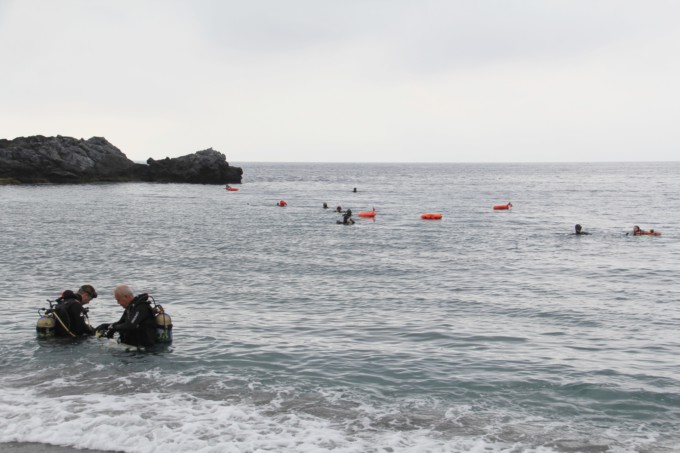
x=62 y=324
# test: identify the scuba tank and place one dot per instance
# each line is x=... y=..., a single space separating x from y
x=46 y=325
x=163 y=323
x=55 y=320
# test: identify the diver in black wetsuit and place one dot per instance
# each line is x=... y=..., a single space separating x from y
x=137 y=326
x=579 y=230
x=71 y=313
x=347 y=218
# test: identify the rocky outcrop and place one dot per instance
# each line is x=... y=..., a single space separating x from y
x=62 y=160
x=202 y=167
x=39 y=159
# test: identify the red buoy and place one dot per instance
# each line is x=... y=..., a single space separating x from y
x=503 y=207
x=367 y=213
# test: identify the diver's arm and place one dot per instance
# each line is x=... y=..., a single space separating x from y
x=113 y=327
x=137 y=316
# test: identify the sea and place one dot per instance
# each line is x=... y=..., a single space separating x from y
x=485 y=331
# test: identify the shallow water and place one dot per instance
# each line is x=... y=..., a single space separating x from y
x=484 y=331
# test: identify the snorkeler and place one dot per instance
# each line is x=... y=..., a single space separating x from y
x=579 y=230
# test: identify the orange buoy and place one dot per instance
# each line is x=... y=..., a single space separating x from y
x=430 y=216
x=232 y=189
x=649 y=233
x=646 y=233
x=503 y=207
x=367 y=213
x=637 y=231
x=282 y=203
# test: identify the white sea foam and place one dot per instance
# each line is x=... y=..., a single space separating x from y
x=153 y=422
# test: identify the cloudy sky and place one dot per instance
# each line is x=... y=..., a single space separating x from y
x=348 y=80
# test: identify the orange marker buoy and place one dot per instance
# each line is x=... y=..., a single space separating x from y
x=282 y=203
x=232 y=189
x=503 y=207
x=648 y=233
x=367 y=213
x=430 y=216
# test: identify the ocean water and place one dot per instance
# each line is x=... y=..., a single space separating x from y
x=485 y=331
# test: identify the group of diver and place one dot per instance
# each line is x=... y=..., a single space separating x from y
x=637 y=231
x=346 y=214
x=578 y=229
x=142 y=324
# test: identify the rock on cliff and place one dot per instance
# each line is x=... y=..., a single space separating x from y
x=39 y=159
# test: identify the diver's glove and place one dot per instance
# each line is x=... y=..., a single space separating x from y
x=102 y=327
x=110 y=331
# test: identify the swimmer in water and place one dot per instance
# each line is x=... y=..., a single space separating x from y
x=579 y=230
x=347 y=218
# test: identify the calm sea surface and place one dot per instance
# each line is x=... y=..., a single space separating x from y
x=482 y=332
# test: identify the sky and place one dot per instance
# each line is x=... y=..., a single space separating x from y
x=348 y=80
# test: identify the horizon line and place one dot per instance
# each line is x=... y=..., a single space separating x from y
x=455 y=163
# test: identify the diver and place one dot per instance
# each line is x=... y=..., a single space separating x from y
x=137 y=326
x=578 y=230
x=325 y=205
x=347 y=218
x=339 y=210
x=355 y=190
x=71 y=313
x=637 y=231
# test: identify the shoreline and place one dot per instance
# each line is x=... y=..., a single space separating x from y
x=36 y=447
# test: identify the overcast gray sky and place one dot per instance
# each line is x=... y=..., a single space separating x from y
x=348 y=80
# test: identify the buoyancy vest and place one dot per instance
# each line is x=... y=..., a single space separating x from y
x=138 y=327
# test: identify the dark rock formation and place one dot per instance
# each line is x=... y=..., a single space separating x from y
x=39 y=159
x=61 y=160
x=202 y=167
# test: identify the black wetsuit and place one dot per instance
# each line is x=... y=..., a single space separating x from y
x=72 y=316
x=137 y=326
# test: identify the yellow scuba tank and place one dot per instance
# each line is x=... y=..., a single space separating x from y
x=163 y=323
x=164 y=327
x=46 y=325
